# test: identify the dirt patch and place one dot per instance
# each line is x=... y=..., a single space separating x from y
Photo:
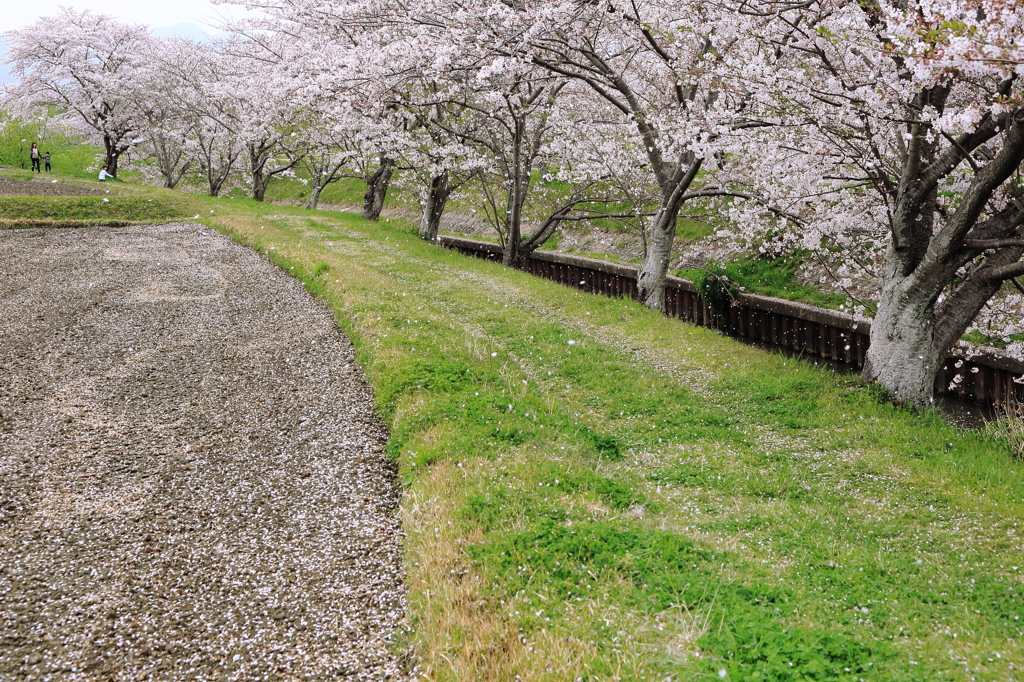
x=193 y=483
x=47 y=188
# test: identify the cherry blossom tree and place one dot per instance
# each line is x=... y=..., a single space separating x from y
x=209 y=125
x=885 y=137
x=168 y=111
x=896 y=134
x=328 y=49
x=323 y=155
x=439 y=160
x=90 y=64
x=655 y=65
x=214 y=147
x=261 y=90
x=510 y=115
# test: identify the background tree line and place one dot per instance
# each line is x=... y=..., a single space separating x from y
x=886 y=138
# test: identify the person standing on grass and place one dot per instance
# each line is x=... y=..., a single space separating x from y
x=46 y=162
x=34 y=155
x=104 y=174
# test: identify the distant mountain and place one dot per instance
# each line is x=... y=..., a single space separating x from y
x=188 y=30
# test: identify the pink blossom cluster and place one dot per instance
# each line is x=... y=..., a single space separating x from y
x=880 y=139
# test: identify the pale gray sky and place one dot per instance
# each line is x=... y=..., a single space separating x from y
x=156 y=13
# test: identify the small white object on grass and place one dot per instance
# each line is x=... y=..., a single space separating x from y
x=571 y=342
x=106 y=200
x=722 y=673
x=494 y=355
x=195 y=217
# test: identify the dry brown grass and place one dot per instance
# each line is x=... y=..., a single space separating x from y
x=1009 y=425
x=458 y=635
x=466 y=630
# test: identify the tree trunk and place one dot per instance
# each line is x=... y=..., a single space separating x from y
x=905 y=352
x=434 y=199
x=215 y=183
x=377 y=189
x=540 y=236
x=966 y=258
x=174 y=175
x=258 y=157
x=259 y=183
x=314 y=196
x=113 y=153
x=519 y=181
x=650 y=282
x=215 y=179
x=512 y=253
x=913 y=332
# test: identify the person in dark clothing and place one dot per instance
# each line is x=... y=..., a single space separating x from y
x=35 y=156
x=46 y=162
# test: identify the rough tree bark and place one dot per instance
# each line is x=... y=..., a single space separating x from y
x=581 y=61
x=261 y=173
x=113 y=149
x=435 y=196
x=314 y=197
x=260 y=180
x=527 y=246
x=935 y=281
x=519 y=179
x=215 y=167
x=171 y=161
x=321 y=176
x=650 y=282
x=377 y=189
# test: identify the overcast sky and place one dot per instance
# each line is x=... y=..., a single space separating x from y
x=156 y=13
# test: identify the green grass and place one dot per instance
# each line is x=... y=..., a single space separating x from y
x=73 y=160
x=593 y=491
x=69 y=162
x=127 y=201
x=655 y=499
x=691 y=230
x=344 y=192
x=769 y=277
x=996 y=341
x=148 y=207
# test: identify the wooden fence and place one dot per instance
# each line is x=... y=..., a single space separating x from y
x=842 y=338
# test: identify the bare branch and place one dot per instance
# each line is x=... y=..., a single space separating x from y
x=984 y=244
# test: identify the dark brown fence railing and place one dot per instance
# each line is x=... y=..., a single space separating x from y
x=842 y=338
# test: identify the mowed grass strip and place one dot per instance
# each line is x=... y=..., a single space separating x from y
x=597 y=492
x=148 y=206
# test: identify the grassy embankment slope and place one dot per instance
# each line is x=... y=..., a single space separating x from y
x=92 y=210
x=596 y=492
x=122 y=202
x=771 y=277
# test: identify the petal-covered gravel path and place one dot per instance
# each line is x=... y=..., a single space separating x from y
x=192 y=478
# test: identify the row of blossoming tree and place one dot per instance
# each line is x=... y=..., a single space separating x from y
x=886 y=136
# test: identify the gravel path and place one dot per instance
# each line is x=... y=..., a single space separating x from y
x=192 y=478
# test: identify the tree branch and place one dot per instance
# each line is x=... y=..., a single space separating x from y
x=1003 y=272
x=992 y=243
